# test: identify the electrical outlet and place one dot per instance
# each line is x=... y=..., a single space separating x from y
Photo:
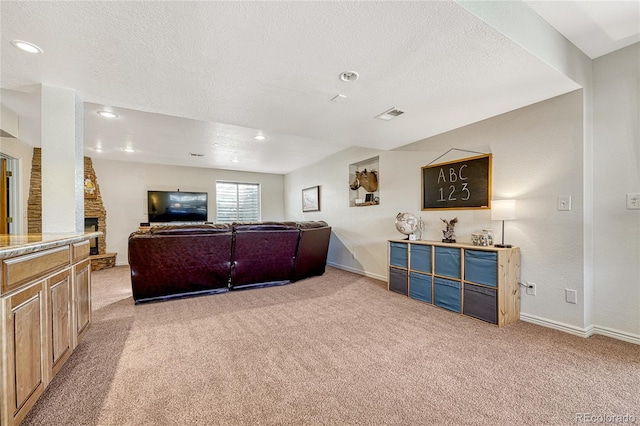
x=633 y=201
x=571 y=296
x=531 y=289
x=564 y=203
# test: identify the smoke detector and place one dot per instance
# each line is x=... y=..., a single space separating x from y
x=390 y=114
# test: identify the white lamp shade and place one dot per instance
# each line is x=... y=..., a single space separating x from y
x=503 y=209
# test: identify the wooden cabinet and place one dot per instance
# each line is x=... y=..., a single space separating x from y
x=45 y=308
x=24 y=354
x=479 y=282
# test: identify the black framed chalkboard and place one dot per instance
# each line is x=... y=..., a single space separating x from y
x=460 y=184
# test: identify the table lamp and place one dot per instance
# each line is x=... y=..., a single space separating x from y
x=503 y=210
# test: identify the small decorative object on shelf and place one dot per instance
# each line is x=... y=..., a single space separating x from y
x=489 y=234
x=406 y=224
x=449 y=235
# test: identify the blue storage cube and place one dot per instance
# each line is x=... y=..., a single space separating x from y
x=448 y=262
x=420 y=287
x=421 y=258
x=481 y=267
x=446 y=294
x=398 y=281
x=398 y=254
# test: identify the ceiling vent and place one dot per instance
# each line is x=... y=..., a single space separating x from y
x=390 y=114
x=193 y=154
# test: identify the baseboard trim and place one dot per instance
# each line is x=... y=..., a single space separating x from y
x=357 y=271
x=581 y=332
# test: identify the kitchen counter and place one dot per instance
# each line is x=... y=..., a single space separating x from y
x=17 y=245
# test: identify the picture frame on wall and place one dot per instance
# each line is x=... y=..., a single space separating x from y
x=311 y=199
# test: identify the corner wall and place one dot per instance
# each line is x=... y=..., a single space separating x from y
x=616 y=172
x=124 y=187
x=537 y=156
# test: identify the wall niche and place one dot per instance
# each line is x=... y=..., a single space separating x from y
x=364 y=183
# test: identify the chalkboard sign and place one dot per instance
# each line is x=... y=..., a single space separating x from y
x=460 y=184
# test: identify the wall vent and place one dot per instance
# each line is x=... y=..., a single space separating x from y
x=193 y=154
x=390 y=114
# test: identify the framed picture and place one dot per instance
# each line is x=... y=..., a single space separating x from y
x=311 y=199
x=90 y=186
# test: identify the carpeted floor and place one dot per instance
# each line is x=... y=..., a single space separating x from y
x=332 y=350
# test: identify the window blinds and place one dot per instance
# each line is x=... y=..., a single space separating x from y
x=237 y=202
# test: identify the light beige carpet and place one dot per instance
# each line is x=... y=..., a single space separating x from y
x=332 y=350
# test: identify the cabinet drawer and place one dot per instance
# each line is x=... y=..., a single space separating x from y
x=481 y=303
x=447 y=262
x=481 y=267
x=420 y=287
x=421 y=258
x=398 y=254
x=446 y=294
x=80 y=251
x=398 y=280
x=19 y=270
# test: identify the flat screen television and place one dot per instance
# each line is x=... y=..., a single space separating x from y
x=177 y=206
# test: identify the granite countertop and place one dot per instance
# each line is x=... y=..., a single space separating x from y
x=16 y=245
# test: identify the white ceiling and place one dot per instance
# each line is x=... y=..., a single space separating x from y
x=206 y=77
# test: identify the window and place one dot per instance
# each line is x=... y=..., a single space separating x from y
x=239 y=202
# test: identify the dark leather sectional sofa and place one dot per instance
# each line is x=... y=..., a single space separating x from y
x=184 y=260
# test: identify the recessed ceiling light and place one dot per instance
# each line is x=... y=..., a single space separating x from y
x=107 y=114
x=260 y=137
x=128 y=149
x=98 y=149
x=26 y=46
x=349 y=76
x=235 y=160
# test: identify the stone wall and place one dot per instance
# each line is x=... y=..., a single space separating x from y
x=93 y=207
x=34 y=204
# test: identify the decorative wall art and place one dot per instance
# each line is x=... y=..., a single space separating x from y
x=460 y=184
x=90 y=186
x=311 y=199
x=364 y=183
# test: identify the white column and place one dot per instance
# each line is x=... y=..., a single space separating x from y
x=62 y=161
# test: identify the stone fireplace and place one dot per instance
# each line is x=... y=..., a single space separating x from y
x=91 y=225
x=94 y=212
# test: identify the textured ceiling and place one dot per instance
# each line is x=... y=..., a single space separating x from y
x=206 y=77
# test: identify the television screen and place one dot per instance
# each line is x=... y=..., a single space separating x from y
x=176 y=206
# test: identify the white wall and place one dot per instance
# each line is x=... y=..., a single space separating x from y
x=124 y=187
x=617 y=172
x=537 y=156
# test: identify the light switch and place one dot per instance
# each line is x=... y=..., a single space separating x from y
x=564 y=203
x=633 y=201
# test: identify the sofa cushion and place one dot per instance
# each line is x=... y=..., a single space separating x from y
x=190 y=229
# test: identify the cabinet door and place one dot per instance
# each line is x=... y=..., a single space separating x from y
x=59 y=287
x=23 y=353
x=81 y=299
